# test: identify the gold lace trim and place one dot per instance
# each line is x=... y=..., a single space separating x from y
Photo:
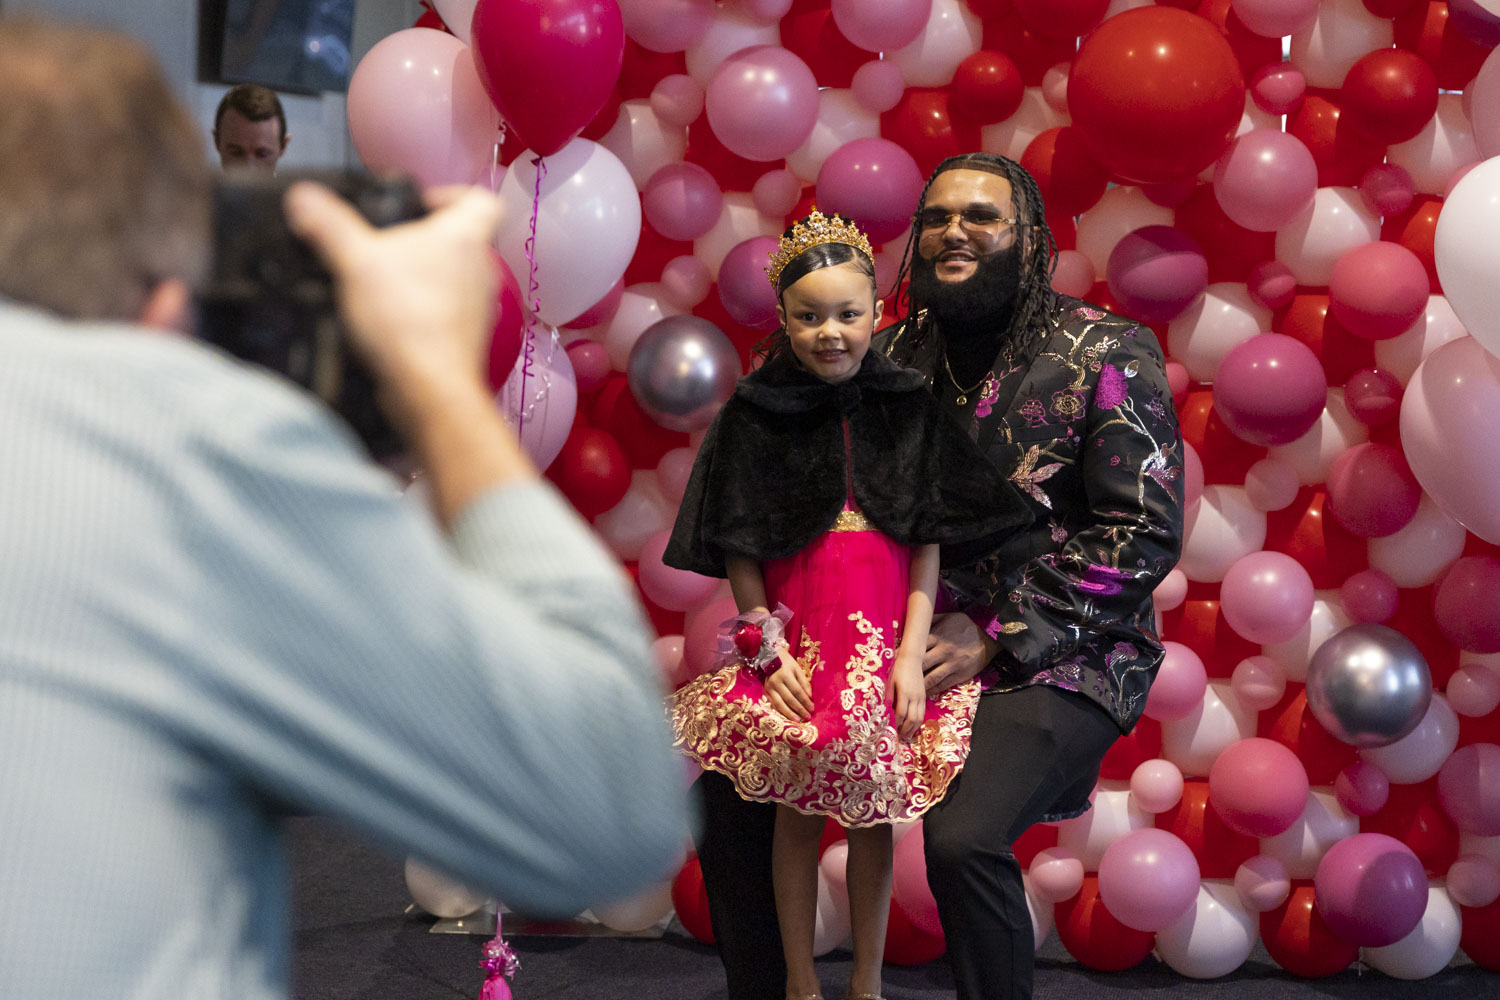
x=852 y=520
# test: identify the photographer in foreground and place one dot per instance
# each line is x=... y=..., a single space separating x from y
x=212 y=607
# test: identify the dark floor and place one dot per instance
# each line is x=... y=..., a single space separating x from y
x=354 y=941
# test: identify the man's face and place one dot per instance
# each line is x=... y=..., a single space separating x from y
x=244 y=143
x=966 y=217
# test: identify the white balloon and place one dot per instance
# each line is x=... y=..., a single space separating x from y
x=732 y=29
x=457 y=15
x=1416 y=555
x=1224 y=529
x=588 y=224
x=953 y=33
x=1437 y=325
x=1466 y=226
x=1343 y=31
x=640 y=306
x=739 y=221
x=1215 y=323
x=542 y=401
x=641 y=513
x=831 y=921
x=1302 y=845
x=1043 y=914
x=637 y=913
x=1312 y=453
x=1473 y=690
x=1484 y=92
x=1292 y=656
x=1421 y=753
x=438 y=894
x=1119 y=211
x=840 y=120
x=1195 y=741
x=1445 y=144
x=1012 y=136
x=1113 y=814
x=1430 y=946
x=642 y=142
x=1214 y=937
x=1336 y=222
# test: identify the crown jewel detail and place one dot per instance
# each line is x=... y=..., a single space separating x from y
x=816 y=228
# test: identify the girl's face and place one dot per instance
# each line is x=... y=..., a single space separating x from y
x=829 y=315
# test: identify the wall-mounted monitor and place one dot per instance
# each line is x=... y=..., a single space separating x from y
x=298 y=46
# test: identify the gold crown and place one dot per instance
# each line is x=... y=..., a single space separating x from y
x=816 y=228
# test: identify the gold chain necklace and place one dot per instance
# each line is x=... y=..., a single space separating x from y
x=963 y=394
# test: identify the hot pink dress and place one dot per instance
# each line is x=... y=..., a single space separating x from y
x=848 y=591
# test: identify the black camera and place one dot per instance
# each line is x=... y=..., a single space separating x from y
x=269 y=300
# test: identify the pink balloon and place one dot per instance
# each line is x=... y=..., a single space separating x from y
x=667 y=25
x=668 y=652
x=549 y=65
x=743 y=289
x=1270 y=389
x=1465 y=604
x=1362 y=788
x=685 y=281
x=1448 y=433
x=1373 y=396
x=1171 y=592
x=1258 y=682
x=1371 y=490
x=1178 y=380
x=1155 y=272
x=878 y=86
x=591 y=365
x=672 y=472
x=1271 y=284
x=909 y=883
x=776 y=193
x=1275 y=18
x=1473 y=690
x=881 y=25
x=1271 y=484
x=1369 y=596
x=1263 y=883
x=1156 y=785
x=762 y=102
x=1258 y=787
x=416 y=106
x=682 y=201
x=1378 y=290
x=1266 y=597
x=701 y=631
x=1277 y=88
x=874 y=182
x=1192 y=477
x=677 y=100
x=1265 y=179
x=1371 y=889
x=667 y=587
x=1056 y=874
x=1073 y=274
x=1474 y=880
x=1148 y=878
x=603 y=310
x=1179 y=686
x=1387 y=189
x=1468 y=788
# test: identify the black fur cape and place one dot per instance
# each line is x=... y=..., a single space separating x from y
x=771 y=473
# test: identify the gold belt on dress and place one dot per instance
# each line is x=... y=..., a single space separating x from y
x=852 y=520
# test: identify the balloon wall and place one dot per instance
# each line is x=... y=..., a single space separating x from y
x=1301 y=197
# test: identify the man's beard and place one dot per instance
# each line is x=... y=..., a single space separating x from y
x=979 y=307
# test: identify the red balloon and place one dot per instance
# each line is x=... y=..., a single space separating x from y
x=1037 y=838
x=1413 y=815
x=643 y=439
x=906 y=944
x=1480 y=936
x=1342 y=152
x=732 y=171
x=987 y=88
x=1390 y=94
x=549 y=65
x=1061 y=18
x=1067 y=174
x=1310 y=319
x=1391 y=8
x=1231 y=249
x=1252 y=51
x=1415 y=229
x=604 y=119
x=1225 y=457
x=1292 y=724
x=1299 y=939
x=1094 y=937
x=1032 y=52
x=1200 y=626
x=1305 y=531
x=510 y=320
x=812 y=36
x=1129 y=752
x=1157 y=93
x=690 y=899
x=1425 y=28
x=1414 y=619
x=1220 y=851
x=591 y=470
x=922 y=125
x=641 y=69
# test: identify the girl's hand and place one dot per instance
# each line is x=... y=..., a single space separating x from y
x=788 y=689
x=907 y=694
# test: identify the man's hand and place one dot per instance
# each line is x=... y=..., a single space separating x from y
x=956 y=652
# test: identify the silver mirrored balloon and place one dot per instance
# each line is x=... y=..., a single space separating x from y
x=681 y=370
x=1368 y=685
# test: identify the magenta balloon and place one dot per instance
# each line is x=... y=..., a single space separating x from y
x=1466 y=607
x=1155 y=272
x=1369 y=596
x=1271 y=284
x=1387 y=189
x=1270 y=389
x=1266 y=597
x=591 y=365
x=881 y=25
x=1448 y=433
x=1378 y=290
x=1468 y=788
x=743 y=288
x=1370 y=889
x=549 y=65
x=1362 y=788
x=682 y=201
x=762 y=102
x=1258 y=787
x=1179 y=685
x=1265 y=179
x=1371 y=490
x=874 y=182
x=1277 y=88
x=667 y=25
x=1148 y=878
x=1475 y=22
x=1373 y=396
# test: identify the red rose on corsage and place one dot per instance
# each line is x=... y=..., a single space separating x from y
x=753 y=640
x=747 y=639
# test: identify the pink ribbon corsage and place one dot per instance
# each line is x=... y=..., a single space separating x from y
x=752 y=640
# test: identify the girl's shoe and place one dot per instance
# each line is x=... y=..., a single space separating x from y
x=865 y=996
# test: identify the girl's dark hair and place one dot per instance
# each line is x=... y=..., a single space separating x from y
x=1039 y=249
x=814 y=258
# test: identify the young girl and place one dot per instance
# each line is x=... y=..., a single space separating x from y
x=817 y=492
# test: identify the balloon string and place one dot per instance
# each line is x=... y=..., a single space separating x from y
x=532 y=287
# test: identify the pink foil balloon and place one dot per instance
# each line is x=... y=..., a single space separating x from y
x=1179 y=686
x=677 y=100
x=874 y=182
x=1378 y=290
x=1448 y=433
x=1266 y=597
x=1371 y=889
x=682 y=201
x=1278 y=88
x=1371 y=490
x=1265 y=179
x=1258 y=787
x=1271 y=284
x=1387 y=189
x=1468 y=788
x=1270 y=389
x=878 y=86
x=743 y=289
x=1258 y=682
x=1155 y=272
x=1262 y=882
x=881 y=25
x=1148 y=878
x=1465 y=604
x=1369 y=596
x=1362 y=788
x=1373 y=396
x=762 y=102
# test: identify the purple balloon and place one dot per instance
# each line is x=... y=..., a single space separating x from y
x=874 y=182
x=762 y=102
x=743 y=287
x=1155 y=272
x=682 y=201
x=1265 y=179
x=1270 y=390
x=1371 y=889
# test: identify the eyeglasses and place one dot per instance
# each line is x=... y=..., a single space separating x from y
x=973 y=220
